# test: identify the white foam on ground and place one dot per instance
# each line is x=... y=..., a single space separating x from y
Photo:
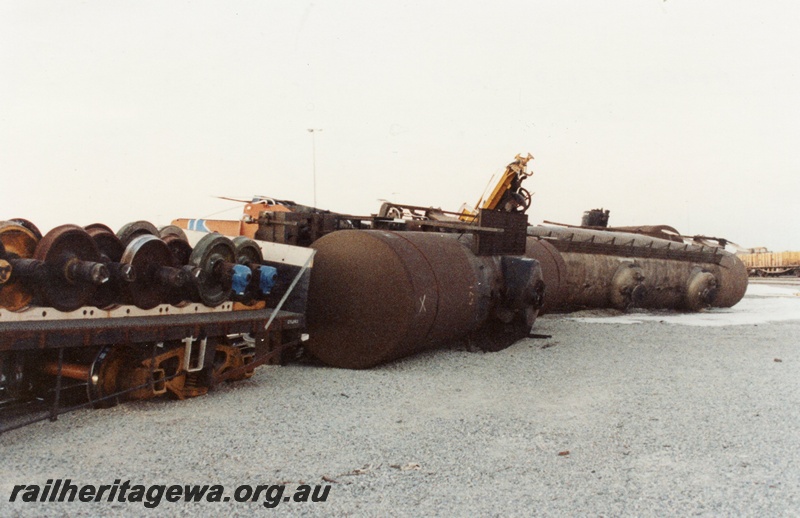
x=762 y=303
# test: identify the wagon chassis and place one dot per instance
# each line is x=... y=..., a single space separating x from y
x=275 y=335
x=774 y=271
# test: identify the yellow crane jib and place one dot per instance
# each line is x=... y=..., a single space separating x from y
x=508 y=194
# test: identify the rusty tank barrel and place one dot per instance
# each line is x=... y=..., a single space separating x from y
x=378 y=295
x=554 y=272
x=621 y=270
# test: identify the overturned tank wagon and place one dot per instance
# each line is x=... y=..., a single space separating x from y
x=363 y=295
x=599 y=269
x=379 y=295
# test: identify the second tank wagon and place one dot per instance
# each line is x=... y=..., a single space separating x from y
x=380 y=295
x=621 y=270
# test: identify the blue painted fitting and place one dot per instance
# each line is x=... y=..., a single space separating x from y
x=241 y=278
x=267 y=279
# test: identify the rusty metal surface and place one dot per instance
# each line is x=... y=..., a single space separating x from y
x=17 y=242
x=554 y=270
x=660 y=231
x=78 y=350
x=511 y=241
x=610 y=269
x=111 y=251
x=213 y=255
x=72 y=267
x=131 y=230
x=125 y=372
x=590 y=241
x=590 y=281
x=156 y=328
x=379 y=295
x=463 y=281
x=74 y=270
x=494 y=232
x=597 y=219
x=107 y=241
x=120 y=372
x=732 y=283
x=148 y=255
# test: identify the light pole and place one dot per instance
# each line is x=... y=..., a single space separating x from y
x=314 y=132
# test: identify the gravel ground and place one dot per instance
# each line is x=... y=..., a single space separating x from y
x=602 y=419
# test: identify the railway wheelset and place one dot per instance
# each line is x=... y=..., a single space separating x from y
x=71 y=267
x=90 y=316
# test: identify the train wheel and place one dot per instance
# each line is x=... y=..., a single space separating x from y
x=247 y=251
x=74 y=270
x=105 y=373
x=111 y=250
x=134 y=229
x=172 y=230
x=212 y=252
x=28 y=225
x=155 y=274
x=16 y=241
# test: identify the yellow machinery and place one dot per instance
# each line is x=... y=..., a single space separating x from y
x=508 y=194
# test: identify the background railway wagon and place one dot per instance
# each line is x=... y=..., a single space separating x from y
x=772 y=263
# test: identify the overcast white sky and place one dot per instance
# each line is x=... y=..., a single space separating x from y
x=677 y=112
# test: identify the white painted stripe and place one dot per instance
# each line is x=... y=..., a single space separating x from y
x=44 y=314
